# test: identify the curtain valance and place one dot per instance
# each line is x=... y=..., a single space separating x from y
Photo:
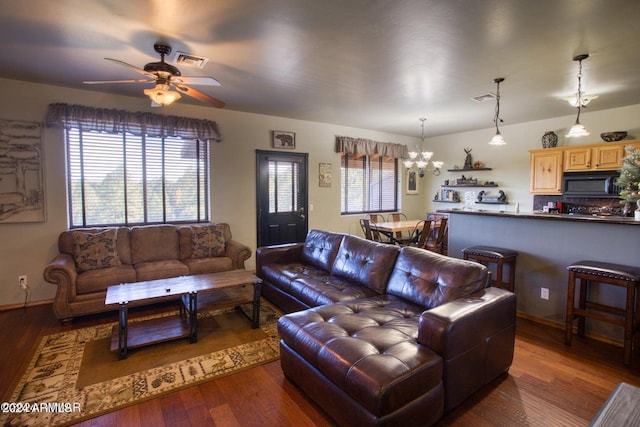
x=138 y=123
x=360 y=146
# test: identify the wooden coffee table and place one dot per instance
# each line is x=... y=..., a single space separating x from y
x=219 y=290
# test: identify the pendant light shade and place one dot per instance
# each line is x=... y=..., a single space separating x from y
x=578 y=130
x=497 y=138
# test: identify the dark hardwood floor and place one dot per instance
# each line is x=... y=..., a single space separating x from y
x=548 y=384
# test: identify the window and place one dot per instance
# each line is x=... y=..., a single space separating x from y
x=368 y=184
x=123 y=179
x=126 y=168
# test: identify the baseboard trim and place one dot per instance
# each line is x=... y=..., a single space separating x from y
x=29 y=304
x=556 y=325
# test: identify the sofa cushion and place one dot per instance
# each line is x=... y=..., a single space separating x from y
x=311 y=285
x=93 y=281
x=154 y=243
x=320 y=248
x=207 y=241
x=185 y=234
x=368 y=348
x=160 y=269
x=365 y=262
x=430 y=279
x=208 y=265
x=92 y=251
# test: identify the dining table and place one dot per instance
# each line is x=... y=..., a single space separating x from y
x=390 y=228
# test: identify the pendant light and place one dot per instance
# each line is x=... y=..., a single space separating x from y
x=497 y=138
x=578 y=130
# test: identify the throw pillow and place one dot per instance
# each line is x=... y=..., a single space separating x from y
x=207 y=241
x=92 y=251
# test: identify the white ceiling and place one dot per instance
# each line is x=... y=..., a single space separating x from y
x=375 y=64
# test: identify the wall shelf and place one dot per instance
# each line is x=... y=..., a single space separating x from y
x=492 y=203
x=446 y=201
x=470 y=185
x=469 y=170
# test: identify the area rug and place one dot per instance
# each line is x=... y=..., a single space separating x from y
x=74 y=376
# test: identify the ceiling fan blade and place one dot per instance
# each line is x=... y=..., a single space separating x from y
x=99 y=82
x=199 y=95
x=196 y=80
x=132 y=67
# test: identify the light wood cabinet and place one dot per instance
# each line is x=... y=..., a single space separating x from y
x=546 y=171
x=590 y=158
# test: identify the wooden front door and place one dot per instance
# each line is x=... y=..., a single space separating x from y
x=281 y=197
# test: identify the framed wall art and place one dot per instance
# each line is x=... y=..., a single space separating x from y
x=21 y=172
x=282 y=139
x=325 y=175
x=412 y=182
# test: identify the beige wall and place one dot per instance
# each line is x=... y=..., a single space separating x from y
x=26 y=248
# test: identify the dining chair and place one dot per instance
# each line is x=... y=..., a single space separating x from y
x=437 y=242
x=422 y=234
x=366 y=228
x=376 y=218
x=400 y=236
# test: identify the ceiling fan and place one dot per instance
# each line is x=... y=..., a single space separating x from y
x=165 y=76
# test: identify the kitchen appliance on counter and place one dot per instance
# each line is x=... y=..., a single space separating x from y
x=592 y=185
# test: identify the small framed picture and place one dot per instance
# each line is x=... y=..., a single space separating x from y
x=282 y=139
x=412 y=182
x=325 y=176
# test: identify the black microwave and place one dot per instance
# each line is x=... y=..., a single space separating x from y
x=599 y=184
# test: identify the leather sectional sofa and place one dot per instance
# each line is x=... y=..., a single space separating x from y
x=382 y=335
x=92 y=259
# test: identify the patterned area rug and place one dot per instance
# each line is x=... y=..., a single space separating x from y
x=74 y=376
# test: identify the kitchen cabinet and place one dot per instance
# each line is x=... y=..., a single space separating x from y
x=592 y=157
x=546 y=171
x=588 y=158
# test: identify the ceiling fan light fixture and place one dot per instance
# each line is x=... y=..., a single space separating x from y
x=162 y=94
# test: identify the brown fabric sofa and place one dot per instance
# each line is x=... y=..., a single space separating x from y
x=385 y=335
x=92 y=259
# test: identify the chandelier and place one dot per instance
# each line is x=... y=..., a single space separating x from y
x=418 y=161
x=578 y=129
x=497 y=138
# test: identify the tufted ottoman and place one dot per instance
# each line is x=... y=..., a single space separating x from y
x=360 y=360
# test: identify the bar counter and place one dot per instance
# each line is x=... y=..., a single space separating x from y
x=612 y=219
x=546 y=245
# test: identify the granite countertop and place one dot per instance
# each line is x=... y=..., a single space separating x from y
x=546 y=216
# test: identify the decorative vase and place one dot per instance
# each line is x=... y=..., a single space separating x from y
x=636 y=215
x=549 y=139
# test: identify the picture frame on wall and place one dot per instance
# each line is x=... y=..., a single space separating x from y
x=325 y=175
x=283 y=139
x=412 y=182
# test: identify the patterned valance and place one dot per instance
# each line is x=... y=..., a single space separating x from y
x=139 y=123
x=367 y=147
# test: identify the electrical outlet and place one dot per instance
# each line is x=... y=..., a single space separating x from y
x=544 y=293
x=22 y=282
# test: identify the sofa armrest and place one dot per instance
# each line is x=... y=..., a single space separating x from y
x=238 y=252
x=62 y=271
x=475 y=336
x=281 y=254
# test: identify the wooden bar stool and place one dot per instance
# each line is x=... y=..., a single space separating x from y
x=499 y=256
x=609 y=274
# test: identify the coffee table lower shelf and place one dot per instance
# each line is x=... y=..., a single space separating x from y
x=152 y=331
